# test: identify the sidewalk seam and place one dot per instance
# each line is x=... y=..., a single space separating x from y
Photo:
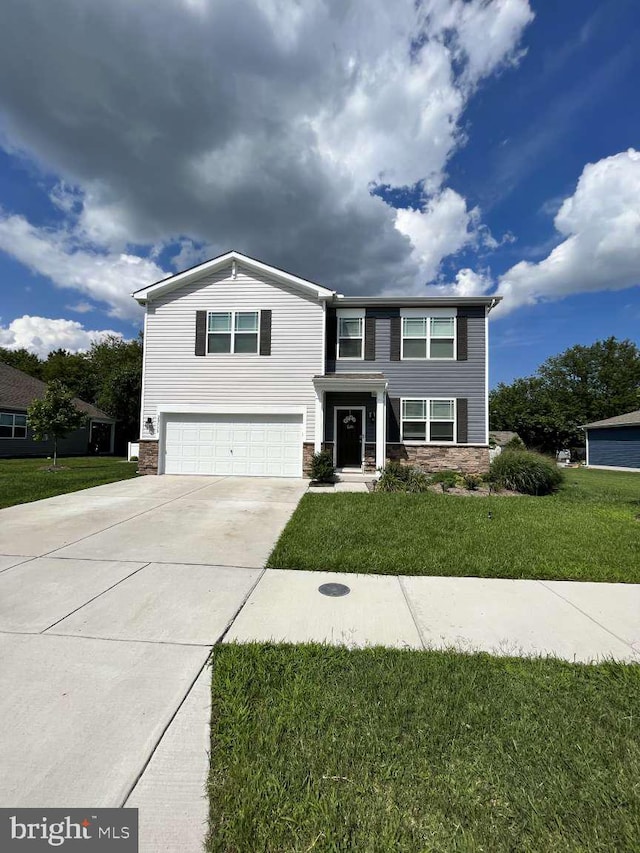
x=413 y=615
x=588 y=616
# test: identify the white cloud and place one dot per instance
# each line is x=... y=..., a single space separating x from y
x=105 y=277
x=81 y=308
x=601 y=250
x=246 y=124
x=443 y=228
x=42 y=335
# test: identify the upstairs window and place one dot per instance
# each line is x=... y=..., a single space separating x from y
x=13 y=426
x=428 y=337
x=351 y=337
x=428 y=420
x=232 y=332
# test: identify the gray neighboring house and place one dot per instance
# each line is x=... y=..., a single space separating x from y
x=614 y=442
x=248 y=370
x=17 y=391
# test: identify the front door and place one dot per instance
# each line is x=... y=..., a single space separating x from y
x=349 y=438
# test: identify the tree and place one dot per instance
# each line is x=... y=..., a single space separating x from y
x=54 y=415
x=75 y=370
x=580 y=385
x=23 y=360
x=117 y=365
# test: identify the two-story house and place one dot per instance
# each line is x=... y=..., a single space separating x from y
x=248 y=370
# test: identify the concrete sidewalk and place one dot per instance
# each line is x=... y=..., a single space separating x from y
x=574 y=621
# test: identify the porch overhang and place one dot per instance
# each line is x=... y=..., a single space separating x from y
x=373 y=383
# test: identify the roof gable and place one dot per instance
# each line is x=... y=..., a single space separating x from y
x=18 y=390
x=230 y=259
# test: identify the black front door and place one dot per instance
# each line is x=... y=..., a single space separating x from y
x=349 y=438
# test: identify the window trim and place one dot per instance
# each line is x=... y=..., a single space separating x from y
x=427 y=401
x=25 y=426
x=232 y=312
x=428 y=318
x=361 y=319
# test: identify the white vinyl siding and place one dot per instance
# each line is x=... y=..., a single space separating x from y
x=428 y=420
x=174 y=375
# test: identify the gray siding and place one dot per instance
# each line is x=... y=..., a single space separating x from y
x=75 y=444
x=448 y=379
x=619 y=447
x=345 y=399
x=174 y=375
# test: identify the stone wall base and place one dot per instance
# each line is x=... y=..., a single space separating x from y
x=148 y=457
x=307 y=452
x=438 y=457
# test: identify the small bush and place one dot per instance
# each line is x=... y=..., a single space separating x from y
x=515 y=443
x=446 y=479
x=526 y=472
x=396 y=477
x=133 y=459
x=472 y=481
x=322 y=467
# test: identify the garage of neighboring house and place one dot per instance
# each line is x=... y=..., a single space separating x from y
x=614 y=443
x=250 y=444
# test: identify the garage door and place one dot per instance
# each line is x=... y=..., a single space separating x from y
x=243 y=445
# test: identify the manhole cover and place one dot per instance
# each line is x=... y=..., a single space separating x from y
x=334 y=589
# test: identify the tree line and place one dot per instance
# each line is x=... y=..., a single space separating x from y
x=581 y=385
x=109 y=375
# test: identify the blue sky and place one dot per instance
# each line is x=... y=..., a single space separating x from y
x=446 y=147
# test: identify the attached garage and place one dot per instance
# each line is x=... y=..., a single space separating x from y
x=243 y=445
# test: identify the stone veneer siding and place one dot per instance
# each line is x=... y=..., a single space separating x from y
x=148 y=457
x=439 y=457
x=307 y=453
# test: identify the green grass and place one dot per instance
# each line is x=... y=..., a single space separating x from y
x=326 y=750
x=24 y=480
x=589 y=530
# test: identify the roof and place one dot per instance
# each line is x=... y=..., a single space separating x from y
x=220 y=262
x=503 y=436
x=629 y=419
x=410 y=301
x=18 y=390
x=323 y=293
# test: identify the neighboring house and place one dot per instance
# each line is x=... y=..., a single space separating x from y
x=17 y=391
x=614 y=442
x=500 y=437
x=248 y=370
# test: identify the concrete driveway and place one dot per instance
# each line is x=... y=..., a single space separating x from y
x=110 y=601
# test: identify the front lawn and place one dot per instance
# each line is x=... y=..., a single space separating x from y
x=24 y=480
x=589 y=530
x=325 y=750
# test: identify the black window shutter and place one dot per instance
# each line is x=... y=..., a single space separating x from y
x=462 y=416
x=394 y=354
x=370 y=339
x=393 y=419
x=331 y=334
x=462 y=334
x=265 y=332
x=201 y=332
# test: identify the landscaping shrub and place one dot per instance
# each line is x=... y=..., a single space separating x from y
x=472 y=481
x=446 y=479
x=515 y=443
x=322 y=467
x=396 y=477
x=526 y=472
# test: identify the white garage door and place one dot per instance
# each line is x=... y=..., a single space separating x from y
x=244 y=445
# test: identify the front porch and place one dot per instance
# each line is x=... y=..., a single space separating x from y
x=351 y=418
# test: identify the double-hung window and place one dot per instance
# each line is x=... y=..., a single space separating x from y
x=232 y=331
x=350 y=337
x=428 y=337
x=428 y=420
x=13 y=426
